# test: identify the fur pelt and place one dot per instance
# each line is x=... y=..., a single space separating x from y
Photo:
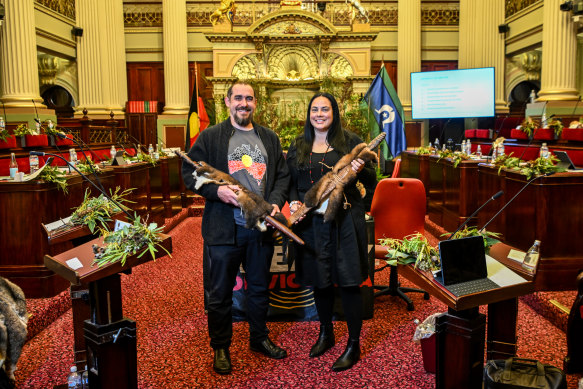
x=336 y=180
x=13 y=325
x=253 y=206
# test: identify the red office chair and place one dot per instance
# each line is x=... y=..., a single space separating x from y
x=398 y=208
x=396 y=168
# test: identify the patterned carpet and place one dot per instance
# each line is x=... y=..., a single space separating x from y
x=165 y=298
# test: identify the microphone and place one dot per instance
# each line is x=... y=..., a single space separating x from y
x=514 y=197
x=572 y=114
x=497 y=131
x=91 y=167
x=443 y=130
x=496 y=195
x=122 y=207
x=139 y=144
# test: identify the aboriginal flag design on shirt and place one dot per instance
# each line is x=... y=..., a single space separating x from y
x=242 y=158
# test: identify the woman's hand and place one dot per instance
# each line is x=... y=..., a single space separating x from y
x=293 y=207
x=357 y=165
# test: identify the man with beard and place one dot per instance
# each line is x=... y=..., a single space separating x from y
x=252 y=154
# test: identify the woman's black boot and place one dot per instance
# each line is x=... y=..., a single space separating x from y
x=349 y=357
x=325 y=341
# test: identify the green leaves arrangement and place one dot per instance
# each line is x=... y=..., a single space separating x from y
x=142 y=157
x=95 y=211
x=411 y=249
x=53 y=174
x=22 y=130
x=424 y=150
x=490 y=238
x=538 y=167
x=456 y=156
x=528 y=125
x=4 y=134
x=135 y=239
x=556 y=126
x=87 y=166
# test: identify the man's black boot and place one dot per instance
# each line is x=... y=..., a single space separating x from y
x=349 y=357
x=325 y=341
x=222 y=361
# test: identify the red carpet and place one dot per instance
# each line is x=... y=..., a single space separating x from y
x=166 y=299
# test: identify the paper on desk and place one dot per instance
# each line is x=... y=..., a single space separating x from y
x=58 y=224
x=502 y=275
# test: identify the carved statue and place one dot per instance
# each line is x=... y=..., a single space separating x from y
x=361 y=11
x=227 y=7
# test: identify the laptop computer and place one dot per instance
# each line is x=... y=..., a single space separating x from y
x=463 y=266
x=564 y=160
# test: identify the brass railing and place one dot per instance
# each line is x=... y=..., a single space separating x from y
x=63 y=7
x=514 y=6
x=381 y=13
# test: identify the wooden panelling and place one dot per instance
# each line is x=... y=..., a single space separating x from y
x=146 y=81
x=431 y=66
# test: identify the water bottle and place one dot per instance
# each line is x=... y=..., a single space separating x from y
x=13 y=166
x=500 y=149
x=494 y=152
x=468 y=147
x=73 y=157
x=150 y=149
x=85 y=378
x=74 y=379
x=544 y=151
x=112 y=152
x=156 y=153
x=2 y=124
x=33 y=161
x=463 y=148
x=436 y=144
x=532 y=256
x=479 y=151
x=450 y=144
x=543 y=121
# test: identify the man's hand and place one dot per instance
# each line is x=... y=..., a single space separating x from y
x=273 y=212
x=227 y=194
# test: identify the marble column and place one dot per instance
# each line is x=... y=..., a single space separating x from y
x=558 y=73
x=101 y=58
x=19 y=69
x=409 y=44
x=175 y=57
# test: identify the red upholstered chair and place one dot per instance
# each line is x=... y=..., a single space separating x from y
x=396 y=168
x=398 y=208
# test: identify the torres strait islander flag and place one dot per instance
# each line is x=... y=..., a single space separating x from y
x=385 y=113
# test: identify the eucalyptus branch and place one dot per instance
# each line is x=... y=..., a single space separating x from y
x=54 y=175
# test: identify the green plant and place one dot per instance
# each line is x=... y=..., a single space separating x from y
x=541 y=166
x=87 y=166
x=22 y=130
x=456 y=156
x=490 y=238
x=506 y=161
x=4 y=134
x=98 y=210
x=53 y=174
x=380 y=174
x=134 y=239
x=411 y=249
x=424 y=150
x=528 y=125
x=556 y=126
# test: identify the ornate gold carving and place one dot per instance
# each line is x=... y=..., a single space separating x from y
x=226 y=10
x=440 y=14
x=530 y=63
x=247 y=68
x=340 y=68
x=514 y=6
x=358 y=11
x=292 y=63
x=383 y=15
x=48 y=66
x=291 y=27
x=63 y=7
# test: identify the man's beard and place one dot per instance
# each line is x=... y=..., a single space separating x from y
x=243 y=122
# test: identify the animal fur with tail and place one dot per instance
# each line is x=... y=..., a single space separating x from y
x=13 y=322
x=253 y=206
x=337 y=179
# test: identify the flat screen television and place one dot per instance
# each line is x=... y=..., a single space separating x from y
x=462 y=93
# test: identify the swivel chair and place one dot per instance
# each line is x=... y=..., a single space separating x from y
x=398 y=207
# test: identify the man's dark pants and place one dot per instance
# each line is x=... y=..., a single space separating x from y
x=224 y=261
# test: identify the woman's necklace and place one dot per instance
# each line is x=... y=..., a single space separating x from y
x=321 y=163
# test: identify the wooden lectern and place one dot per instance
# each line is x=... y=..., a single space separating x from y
x=461 y=332
x=110 y=338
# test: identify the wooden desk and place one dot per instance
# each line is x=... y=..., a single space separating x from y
x=461 y=332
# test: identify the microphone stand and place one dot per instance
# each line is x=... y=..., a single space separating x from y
x=64 y=136
x=496 y=195
x=512 y=199
x=122 y=207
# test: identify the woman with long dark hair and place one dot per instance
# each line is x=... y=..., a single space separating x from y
x=335 y=252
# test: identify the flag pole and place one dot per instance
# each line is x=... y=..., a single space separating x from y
x=196 y=83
